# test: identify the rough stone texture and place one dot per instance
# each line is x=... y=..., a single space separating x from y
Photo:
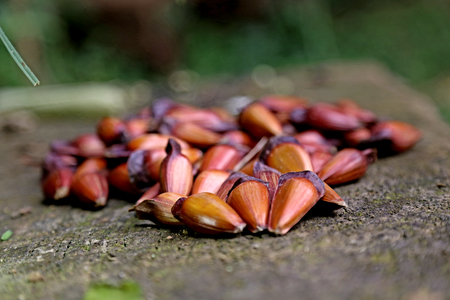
x=392 y=243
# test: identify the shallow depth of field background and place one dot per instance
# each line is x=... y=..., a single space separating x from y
x=126 y=41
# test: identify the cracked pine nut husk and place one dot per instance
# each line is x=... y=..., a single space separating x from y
x=118 y=178
x=238 y=137
x=285 y=154
x=395 y=136
x=250 y=198
x=176 y=171
x=151 y=192
x=207 y=119
x=111 y=130
x=350 y=107
x=347 y=165
x=151 y=141
x=193 y=134
x=324 y=116
x=209 y=181
x=91 y=188
x=296 y=194
x=222 y=157
x=160 y=150
x=89 y=145
x=267 y=174
x=257 y=120
x=357 y=137
x=91 y=165
x=282 y=103
x=56 y=184
x=207 y=213
x=319 y=159
x=136 y=127
x=333 y=197
x=158 y=209
x=228 y=184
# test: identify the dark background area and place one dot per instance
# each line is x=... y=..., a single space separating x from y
x=102 y=40
x=73 y=41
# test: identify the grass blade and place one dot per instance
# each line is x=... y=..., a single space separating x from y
x=19 y=61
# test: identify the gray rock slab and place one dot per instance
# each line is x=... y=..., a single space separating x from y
x=393 y=242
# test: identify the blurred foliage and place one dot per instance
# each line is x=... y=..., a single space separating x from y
x=43 y=34
x=64 y=41
x=411 y=37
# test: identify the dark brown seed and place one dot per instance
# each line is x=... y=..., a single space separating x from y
x=357 y=137
x=350 y=107
x=118 y=178
x=402 y=136
x=56 y=185
x=91 y=165
x=328 y=117
x=91 y=188
x=347 y=165
x=111 y=130
x=137 y=169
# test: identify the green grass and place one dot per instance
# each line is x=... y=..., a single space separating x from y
x=18 y=59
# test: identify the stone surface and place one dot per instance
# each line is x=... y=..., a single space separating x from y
x=393 y=241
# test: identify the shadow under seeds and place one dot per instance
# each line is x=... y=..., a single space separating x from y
x=322 y=209
x=73 y=202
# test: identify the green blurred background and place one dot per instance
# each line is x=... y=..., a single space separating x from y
x=101 y=40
